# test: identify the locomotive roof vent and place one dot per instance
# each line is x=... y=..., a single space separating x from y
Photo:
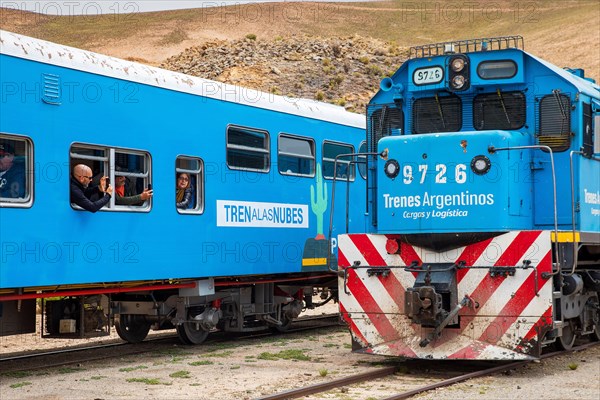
x=466 y=46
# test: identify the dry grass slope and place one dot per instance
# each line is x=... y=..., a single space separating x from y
x=564 y=32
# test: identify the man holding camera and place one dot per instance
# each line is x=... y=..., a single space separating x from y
x=82 y=192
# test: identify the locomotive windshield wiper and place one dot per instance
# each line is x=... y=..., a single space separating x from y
x=503 y=106
x=563 y=113
x=437 y=101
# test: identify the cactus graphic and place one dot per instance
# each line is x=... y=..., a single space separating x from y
x=318 y=202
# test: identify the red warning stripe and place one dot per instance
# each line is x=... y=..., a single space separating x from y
x=470 y=352
x=517 y=248
x=515 y=306
x=545 y=320
x=370 y=307
x=355 y=331
x=368 y=250
x=408 y=254
x=342 y=260
x=395 y=289
x=470 y=255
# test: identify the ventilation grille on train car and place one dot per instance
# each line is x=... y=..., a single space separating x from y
x=384 y=120
x=499 y=111
x=51 y=89
x=554 y=121
x=437 y=114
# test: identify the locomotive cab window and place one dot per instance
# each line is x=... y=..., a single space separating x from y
x=499 y=110
x=127 y=171
x=296 y=155
x=248 y=149
x=497 y=69
x=554 y=128
x=189 y=185
x=16 y=171
x=437 y=114
x=345 y=169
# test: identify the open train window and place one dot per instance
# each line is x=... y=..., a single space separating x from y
x=437 y=114
x=554 y=128
x=248 y=149
x=16 y=171
x=128 y=172
x=296 y=155
x=499 y=110
x=345 y=170
x=189 y=185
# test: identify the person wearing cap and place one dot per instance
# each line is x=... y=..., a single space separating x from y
x=12 y=172
x=82 y=192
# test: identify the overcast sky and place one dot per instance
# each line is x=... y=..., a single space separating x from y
x=102 y=7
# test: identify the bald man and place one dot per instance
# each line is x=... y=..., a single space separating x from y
x=81 y=192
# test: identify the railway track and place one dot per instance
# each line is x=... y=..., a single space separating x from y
x=10 y=364
x=489 y=369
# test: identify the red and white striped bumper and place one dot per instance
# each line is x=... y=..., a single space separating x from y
x=508 y=315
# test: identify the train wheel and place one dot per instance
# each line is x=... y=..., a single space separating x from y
x=132 y=328
x=566 y=341
x=285 y=325
x=596 y=335
x=191 y=333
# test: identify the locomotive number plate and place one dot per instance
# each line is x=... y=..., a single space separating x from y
x=427 y=76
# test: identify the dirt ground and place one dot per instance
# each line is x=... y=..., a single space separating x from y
x=251 y=368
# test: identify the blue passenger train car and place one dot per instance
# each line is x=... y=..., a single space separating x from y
x=484 y=238
x=245 y=251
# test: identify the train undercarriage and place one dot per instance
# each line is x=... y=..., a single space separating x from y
x=194 y=309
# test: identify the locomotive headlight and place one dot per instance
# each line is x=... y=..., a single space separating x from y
x=458 y=64
x=480 y=165
x=391 y=169
x=458 y=81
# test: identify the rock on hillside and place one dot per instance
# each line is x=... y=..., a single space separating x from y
x=343 y=71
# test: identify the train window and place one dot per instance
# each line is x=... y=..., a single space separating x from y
x=362 y=160
x=345 y=170
x=128 y=171
x=248 y=149
x=555 y=121
x=437 y=114
x=296 y=155
x=16 y=171
x=132 y=185
x=499 y=110
x=387 y=120
x=497 y=69
x=189 y=185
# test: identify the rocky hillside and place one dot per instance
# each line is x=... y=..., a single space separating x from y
x=343 y=71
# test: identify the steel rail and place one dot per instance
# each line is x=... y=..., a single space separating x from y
x=483 y=372
x=144 y=346
x=322 y=387
x=383 y=372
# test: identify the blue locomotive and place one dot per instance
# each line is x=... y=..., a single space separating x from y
x=484 y=199
x=241 y=247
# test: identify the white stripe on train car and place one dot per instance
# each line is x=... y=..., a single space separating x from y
x=29 y=48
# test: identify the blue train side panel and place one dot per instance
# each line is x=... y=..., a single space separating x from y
x=62 y=246
x=261 y=167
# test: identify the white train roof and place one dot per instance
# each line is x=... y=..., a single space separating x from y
x=29 y=48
